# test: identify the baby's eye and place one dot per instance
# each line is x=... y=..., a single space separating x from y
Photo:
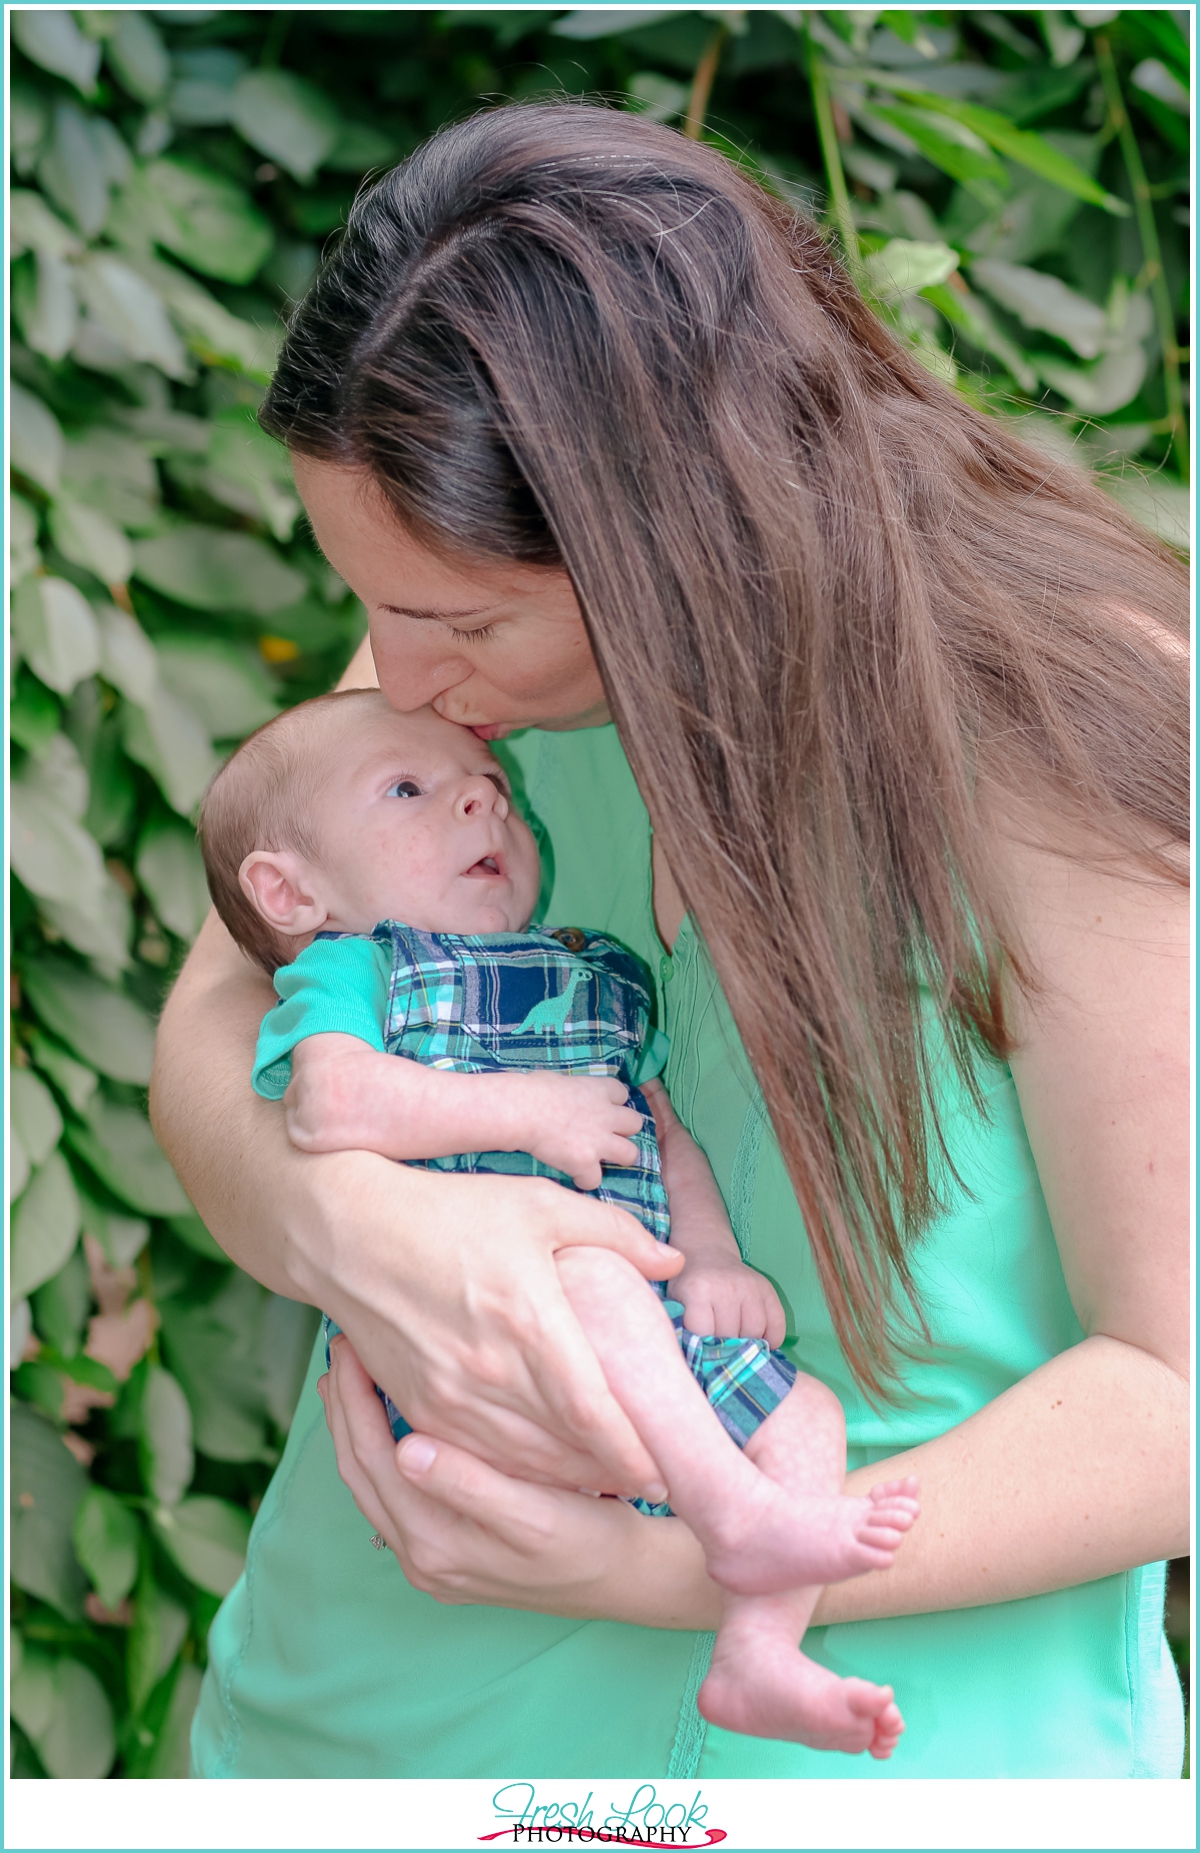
x=404 y=788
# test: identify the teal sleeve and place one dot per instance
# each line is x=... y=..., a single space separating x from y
x=652 y=1058
x=335 y=985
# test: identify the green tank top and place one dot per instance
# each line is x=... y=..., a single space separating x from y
x=325 y=1662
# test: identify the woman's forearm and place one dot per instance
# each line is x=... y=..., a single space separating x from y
x=1079 y=1471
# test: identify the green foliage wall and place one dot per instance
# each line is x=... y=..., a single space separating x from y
x=1010 y=188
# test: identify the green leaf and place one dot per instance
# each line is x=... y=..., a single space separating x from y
x=171 y=870
x=133 y=313
x=103 y=1025
x=204 y=218
x=215 y=337
x=87 y=538
x=79 y=1740
x=286 y=119
x=54 y=856
x=61 y=1306
x=18 y=1167
x=1021 y=145
x=49 y=315
x=32 y=1692
x=971 y=316
x=240 y=451
x=165 y=1437
x=970 y=164
x=70 y=1077
x=23 y=555
x=192 y=1232
x=36 y=1382
x=74 y=169
x=225 y=683
x=159 y=1629
x=45 y=1227
x=121 y=1237
x=34 y=714
x=1160 y=505
x=216 y=1348
x=359 y=147
x=139 y=57
x=53 y=40
x=46 y=1485
x=119 y=1145
x=167 y=736
x=57 y=771
x=35 y=1118
x=29 y=122
x=903 y=267
x=215 y=570
x=106 y=1537
x=1114 y=380
x=127 y=657
x=207 y=1538
x=1042 y=301
x=111 y=471
x=54 y=629
x=36 y=438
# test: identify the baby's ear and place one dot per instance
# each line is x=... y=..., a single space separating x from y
x=279 y=886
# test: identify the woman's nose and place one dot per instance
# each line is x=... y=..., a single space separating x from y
x=412 y=677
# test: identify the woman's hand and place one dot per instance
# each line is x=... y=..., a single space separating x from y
x=464 y=1533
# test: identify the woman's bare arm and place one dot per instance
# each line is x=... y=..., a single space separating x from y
x=1078 y=1471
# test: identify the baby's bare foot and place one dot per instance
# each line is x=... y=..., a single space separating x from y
x=779 y=1540
x=778 y=1692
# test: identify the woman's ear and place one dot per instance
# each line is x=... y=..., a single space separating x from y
x=279 y=886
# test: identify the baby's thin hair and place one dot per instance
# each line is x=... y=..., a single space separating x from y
x=262 y=798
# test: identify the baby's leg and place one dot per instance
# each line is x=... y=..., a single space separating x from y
x=759 y=1536
x=759 y=1682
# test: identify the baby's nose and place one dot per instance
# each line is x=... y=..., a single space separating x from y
x=481 y=795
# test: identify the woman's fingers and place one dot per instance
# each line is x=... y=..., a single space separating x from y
x=603 y=1225
x=506 y=1508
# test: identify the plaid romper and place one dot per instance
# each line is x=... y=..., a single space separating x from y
x=576 y=1002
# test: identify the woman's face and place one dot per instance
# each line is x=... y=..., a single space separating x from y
x=494 y=648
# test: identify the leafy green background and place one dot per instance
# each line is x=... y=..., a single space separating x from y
x=1011 y=189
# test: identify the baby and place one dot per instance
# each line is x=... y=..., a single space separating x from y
x=375 y=865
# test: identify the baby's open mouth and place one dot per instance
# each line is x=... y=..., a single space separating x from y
x=487 y=866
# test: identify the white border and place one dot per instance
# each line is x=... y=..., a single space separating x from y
x=845 y=1812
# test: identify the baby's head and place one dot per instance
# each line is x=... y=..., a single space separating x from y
x=341 y=813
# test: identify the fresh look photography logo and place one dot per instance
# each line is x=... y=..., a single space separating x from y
x=643 y=1821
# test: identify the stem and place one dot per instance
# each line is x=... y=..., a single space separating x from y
x=1151 y=250
x=273 y=44
x=702 y=84
x=839 y=198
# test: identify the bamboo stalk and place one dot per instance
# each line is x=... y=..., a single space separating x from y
x=702 y=84
x=839 y=197
x=1151 y=250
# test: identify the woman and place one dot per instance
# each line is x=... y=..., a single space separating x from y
x=594 y=429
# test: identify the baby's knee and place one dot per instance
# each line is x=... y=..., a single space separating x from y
x=821 y=1407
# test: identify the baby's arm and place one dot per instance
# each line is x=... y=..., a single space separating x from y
x=721 y=1296
x=345 y=1095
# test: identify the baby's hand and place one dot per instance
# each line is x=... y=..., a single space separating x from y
x=726 y=1299
x=577 y=1123
x=336 y=1101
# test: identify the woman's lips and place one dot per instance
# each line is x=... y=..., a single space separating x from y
x=493 y=730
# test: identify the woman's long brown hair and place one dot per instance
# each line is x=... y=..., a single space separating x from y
x=835 y=609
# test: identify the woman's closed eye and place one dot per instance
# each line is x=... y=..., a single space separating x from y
x=476 y=636
x=403 y=788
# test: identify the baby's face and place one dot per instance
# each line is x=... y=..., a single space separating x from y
x=416 y=824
